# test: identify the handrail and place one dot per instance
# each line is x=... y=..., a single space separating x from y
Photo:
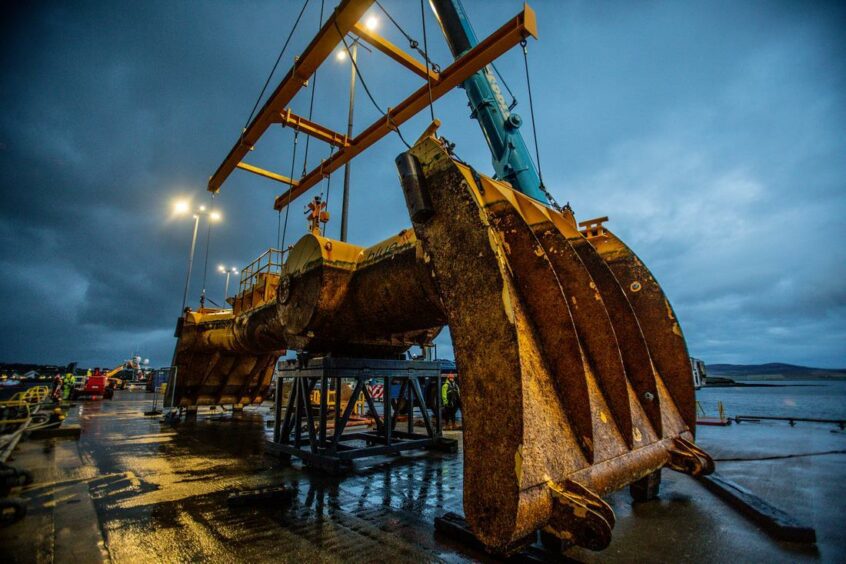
x=792 y=420
x=269 y=263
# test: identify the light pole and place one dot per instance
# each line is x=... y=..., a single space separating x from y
x=181 y=208
x=223 y=270
x=371 y=23
x=190 y=261
x=213 y=216
x=346 y=195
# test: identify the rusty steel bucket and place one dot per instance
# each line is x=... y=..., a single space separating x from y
x=574 y=371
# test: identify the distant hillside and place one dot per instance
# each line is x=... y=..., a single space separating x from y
x=773 y=371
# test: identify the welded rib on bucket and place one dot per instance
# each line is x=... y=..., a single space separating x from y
x=655 y=315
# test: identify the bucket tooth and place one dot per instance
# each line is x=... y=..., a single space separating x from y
x=688 y=458
x=579 y=516
x=657 y=320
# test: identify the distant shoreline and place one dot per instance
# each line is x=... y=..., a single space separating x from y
x=760 y=384
x=780 y=377
x=770 y=380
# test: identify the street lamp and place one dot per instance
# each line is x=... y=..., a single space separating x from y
x=181 y=208
x=371 y=23
x=223 y=270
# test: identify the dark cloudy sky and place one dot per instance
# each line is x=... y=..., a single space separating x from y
x=712 y=133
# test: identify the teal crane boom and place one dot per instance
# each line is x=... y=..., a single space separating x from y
x=501 y=128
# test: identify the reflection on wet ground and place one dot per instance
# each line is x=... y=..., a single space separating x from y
x=136 y=489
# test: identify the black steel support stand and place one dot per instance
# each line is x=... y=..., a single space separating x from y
x=301 y=428
x=647 y=488
x=526 y=549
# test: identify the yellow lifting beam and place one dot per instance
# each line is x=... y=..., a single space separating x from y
x=290 y=119
x=515 y=30
x=344 y=20
x=345 y=17
x=267 y=174
x=395 y=53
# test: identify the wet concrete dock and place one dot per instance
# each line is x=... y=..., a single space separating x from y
x=133 y=488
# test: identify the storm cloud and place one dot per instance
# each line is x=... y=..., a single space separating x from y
x=713 y=134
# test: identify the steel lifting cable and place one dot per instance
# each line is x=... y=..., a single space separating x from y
x=328 y=184
x=513 y=103
x=276 y=64
x=313 y=90
x=394 y=127
x=278 y=228
x=426 y=56
x=412 y=43
x=524 y=44
x=281 y=241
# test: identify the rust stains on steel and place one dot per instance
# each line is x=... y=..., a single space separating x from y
x=560 y=333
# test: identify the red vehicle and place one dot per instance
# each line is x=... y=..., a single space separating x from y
x=95 y=387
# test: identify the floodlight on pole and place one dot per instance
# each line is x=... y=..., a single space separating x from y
x=223 y=270
x=181 y=207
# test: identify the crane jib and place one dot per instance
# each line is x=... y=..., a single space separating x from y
x=511 y=158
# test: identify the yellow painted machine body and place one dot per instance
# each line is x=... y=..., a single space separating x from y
x=329 y=297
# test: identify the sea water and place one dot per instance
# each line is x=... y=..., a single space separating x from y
x=814 y=399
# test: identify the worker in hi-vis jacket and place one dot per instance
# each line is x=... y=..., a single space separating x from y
x=451 y=399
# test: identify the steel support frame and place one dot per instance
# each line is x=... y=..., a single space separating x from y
x=330 y=449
